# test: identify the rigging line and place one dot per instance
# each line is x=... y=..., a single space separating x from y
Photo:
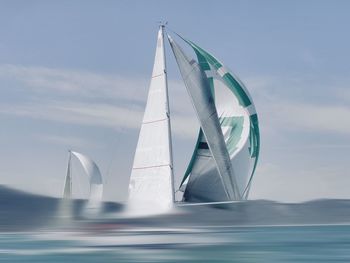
x=171 y=30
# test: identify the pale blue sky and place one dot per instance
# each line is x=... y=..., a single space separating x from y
x=75 y=74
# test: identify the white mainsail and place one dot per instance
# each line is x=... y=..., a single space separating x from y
x=95 y=179
x=151 y=183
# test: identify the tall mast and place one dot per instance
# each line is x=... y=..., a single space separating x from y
x=162 y=27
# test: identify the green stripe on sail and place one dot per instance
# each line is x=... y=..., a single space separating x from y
x=209 y=58
x=202 y=61
x=254 y=136
x=236 y=125
x=237 y=89
x=230 y=81
x=205 y=61
x=213 y=61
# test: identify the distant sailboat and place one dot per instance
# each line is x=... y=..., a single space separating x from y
x=228 y=145
x=95 y=180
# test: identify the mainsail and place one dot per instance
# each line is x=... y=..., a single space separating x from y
x=151 y=183
x=95 y=179
x=239 y=125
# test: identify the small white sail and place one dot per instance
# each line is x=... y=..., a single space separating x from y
x=95 y=178
x=151 y=183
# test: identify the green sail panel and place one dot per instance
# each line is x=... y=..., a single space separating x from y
x=239 y=124
x=199 y=91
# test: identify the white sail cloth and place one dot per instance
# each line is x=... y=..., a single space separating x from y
x=151 y=183
x=95 y=179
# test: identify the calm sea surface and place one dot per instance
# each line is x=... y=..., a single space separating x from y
x=43 y=229
x=329 y=243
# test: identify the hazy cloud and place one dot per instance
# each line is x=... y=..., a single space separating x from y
x=68 y=141
x=74 y=82
x=286 y=104
x=117 y=103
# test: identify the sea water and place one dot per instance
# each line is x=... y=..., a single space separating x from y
x=323 y=243
x=37 y=229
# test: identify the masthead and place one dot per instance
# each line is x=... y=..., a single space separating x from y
x=162 y=23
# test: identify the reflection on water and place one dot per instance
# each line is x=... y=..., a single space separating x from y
x=40 y=229
x=230 y=244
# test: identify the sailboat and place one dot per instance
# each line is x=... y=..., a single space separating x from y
x=95 y=180
x=227 y=149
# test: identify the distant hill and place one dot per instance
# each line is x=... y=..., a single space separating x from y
x=25 y=211
x=20 y=210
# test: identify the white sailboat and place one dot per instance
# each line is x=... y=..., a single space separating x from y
x=95 y=180
x=227 y=149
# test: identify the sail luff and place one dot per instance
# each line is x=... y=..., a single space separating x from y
x=168 y=119
x=203 y=102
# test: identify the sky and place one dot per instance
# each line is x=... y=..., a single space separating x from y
x=75 y=75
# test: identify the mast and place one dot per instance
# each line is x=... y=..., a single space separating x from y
x=67 y=192
x=162 y=27
x=151 y=187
